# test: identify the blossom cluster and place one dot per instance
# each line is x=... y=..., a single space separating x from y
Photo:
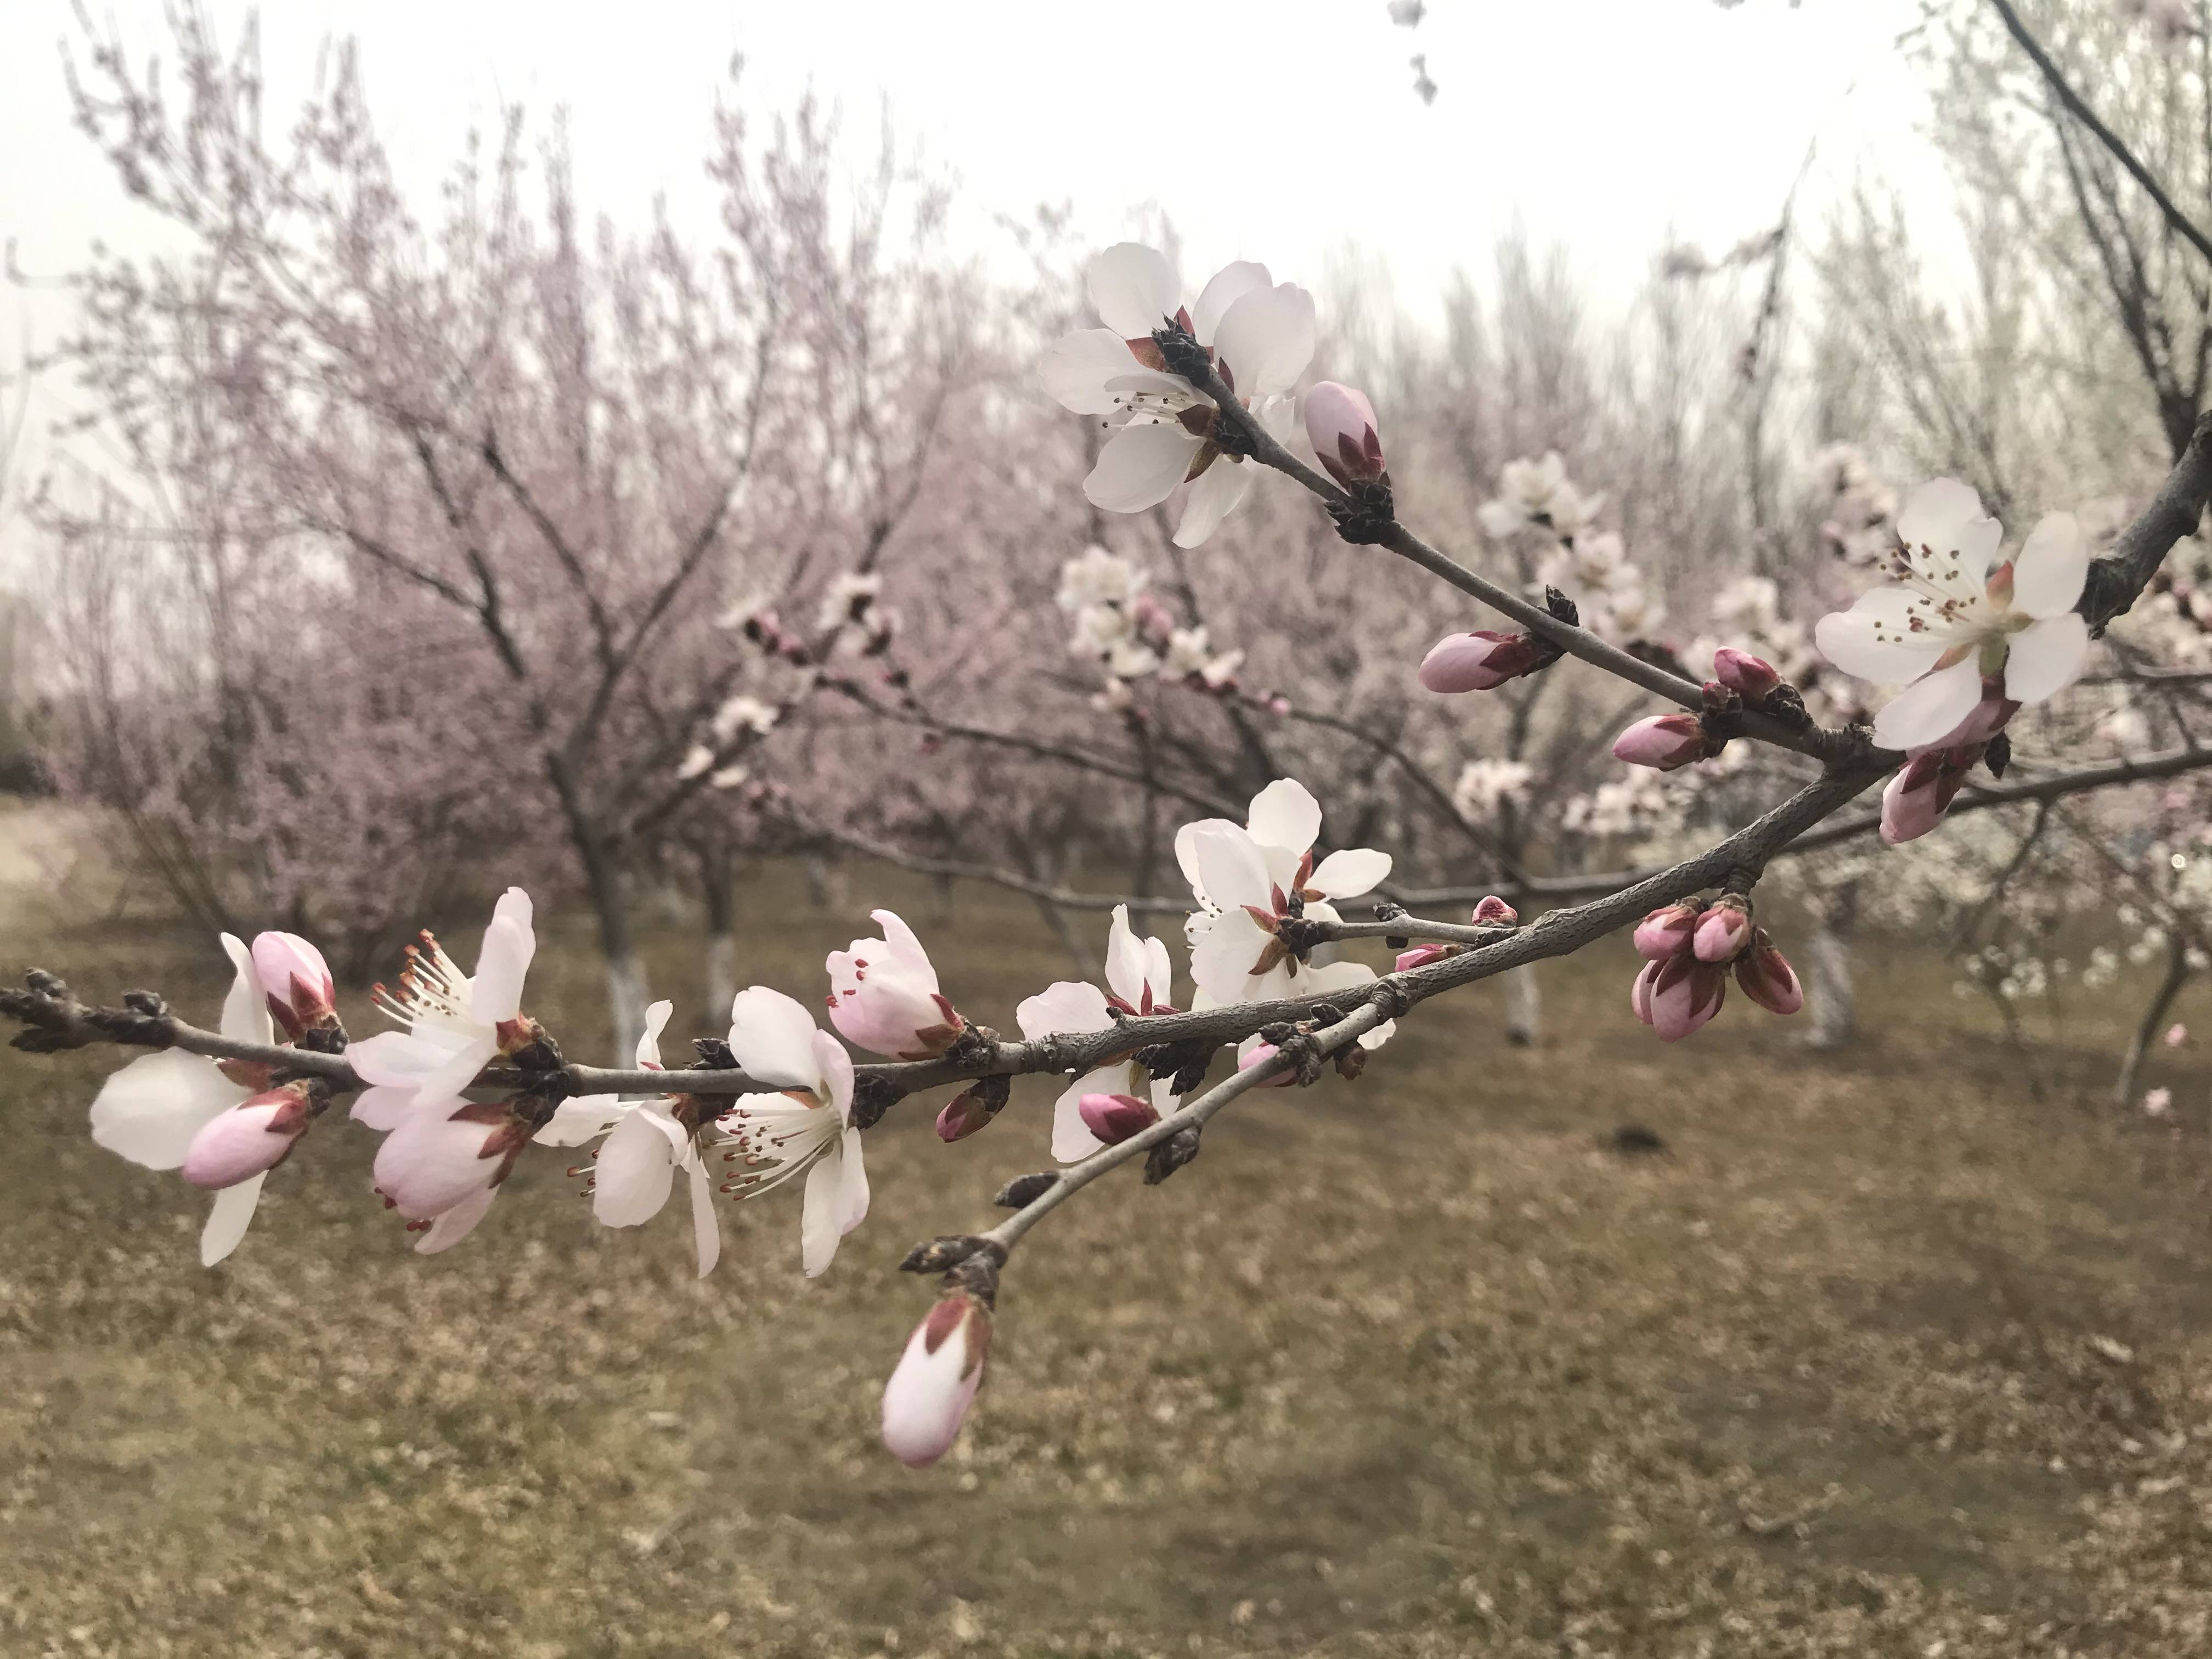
x=1130 y=634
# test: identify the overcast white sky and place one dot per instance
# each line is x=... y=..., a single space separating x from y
x=1597 y=124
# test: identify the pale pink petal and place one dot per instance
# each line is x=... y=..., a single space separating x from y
x=1350 y=872
x=1124 y=961
x=496 y=992
x=648 y=1044
x=852 y=1183
x=229 y=1216
x=1284 y=814
x=1874 y=641
x=1928 y=708
x=1139 y=467
x=772 y=1038
x=1066 y=1006
x=150 y=1111
x=1266 y=339
x=1215 y=493
x=1075 y=372
x=454 y=1225
x=1072 y=1138
x=1229 y=284
x=246 y=1008
x=2051 y=566
x=635 y=1171
x=706 y=1222
x=1133 y=288
x=822 y=1214
x=585 y=1118
x=1946 y=516
x=1232 y=869
x=2046 y=656
x=835 y=1066
x=1185 y=849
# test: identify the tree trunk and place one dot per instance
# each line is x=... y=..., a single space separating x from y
x=626 y=990
x=819 y=893
x=718 y=887
x=1524 y=1005
x=1828 y=974
x=2176 y=976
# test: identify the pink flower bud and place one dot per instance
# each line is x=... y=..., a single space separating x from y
x=247 y=1140
x=1724 y=930
x=1259 y=1054
x=1662 y=741
x=438 y=1158
x=963 y=1114
x=1420 y=957
x=1340 y=425
x=1639 y=993
x=884 y=995
x=1114 y=1118
x=1152 y=619
x=1480 y=661
x=1914 y=801
x=1686 y=994
x=1667 y=932
x=1494 y=912
x=295 y=981
x=1766 y=976
x=1750 y=678
x=927 y=1397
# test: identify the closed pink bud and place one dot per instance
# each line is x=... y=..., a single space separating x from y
x=1152 y=618
x=1750 y=678
x=1480 y=661
x=963 y=1114
x=1686 y=994
x=249 y=1140
x=1667 y=932
x=1116 y=1117
x=1766 y=977
x=1421 y=956
x=1662 y=741
x=295 y=981
x=1495 y=912
x=1259 y=1054
x=1914 y=801
x=1639 y=993
x=926 y=1400
x=1724 y=930
x=1340 y=425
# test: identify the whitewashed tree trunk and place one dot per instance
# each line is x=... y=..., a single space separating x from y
x=1828 y=986
x=720 y=890
x=1524 y=1005
x=626 y=999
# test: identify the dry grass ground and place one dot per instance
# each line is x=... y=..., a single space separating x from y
x=1902 y=1352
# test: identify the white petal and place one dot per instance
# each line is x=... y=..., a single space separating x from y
x=1076 y=371
x=1266 y=339
x=648 y=1045
x=585 y=1118
x=772 y=1038
x=2046 y=656
x=1229 y=284
x=1124 y=961
x=1231 y=869
x=1134 y=288
x=455 y=1224
x=1223 y=953
x=706 y=1224
x=1216 y=493
x=1848 y=639
x=496 y=992
x=2051 y=566
x=835 y=1067
x=150 y=1111
x=820 y=1216
x=635 y=1169
x=457 y=1073
x=1931 y=708
x=906 y=946
x=1139 y=467
x=1067 y=1006
x=1159 y=972
x=1186 y=850
x=1284 y=814
x=404 y=1059
x=1351 y=871
x=852 y=1184
x=386 y=1106
x=246 y=1009
x=227 y=1221
x=1946 y=516
x=1072 y=1138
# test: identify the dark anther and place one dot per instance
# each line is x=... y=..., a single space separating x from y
x=1170 y=1155
x=872 y=1097
x=1366 y=514
x=1024 y=1190
x=1997 y=755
